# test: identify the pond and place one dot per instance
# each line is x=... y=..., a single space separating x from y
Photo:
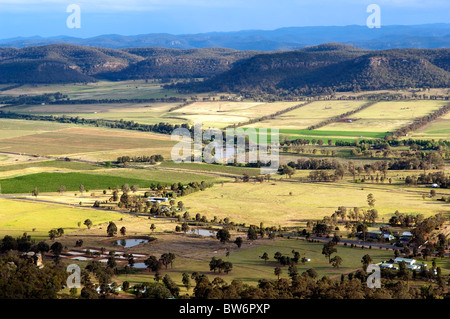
x=139 y=266
x=202 y=232
x=131 y=242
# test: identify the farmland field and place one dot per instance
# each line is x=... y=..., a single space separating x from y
x=386 y=116
x=68 y=140
x=310 y=114
x=250 y=268
x=272 y=203
x=97 y=90
x=18 y=217
x=96 y=180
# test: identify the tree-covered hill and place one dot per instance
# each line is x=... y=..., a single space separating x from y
x=333 y=67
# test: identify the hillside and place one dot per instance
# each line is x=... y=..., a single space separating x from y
x=333 y=67
x=66 y=63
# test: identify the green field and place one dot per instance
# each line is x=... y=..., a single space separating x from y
x=250 y=268
x=49 y=182
x=97 y=180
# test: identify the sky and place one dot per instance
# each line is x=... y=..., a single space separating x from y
x=47 y=18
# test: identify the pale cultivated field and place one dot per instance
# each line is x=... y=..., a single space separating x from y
x=310 y=114
x=220 y=114
x=386 y=116
x=399 y=110
x=18 y=128
x=80 y=141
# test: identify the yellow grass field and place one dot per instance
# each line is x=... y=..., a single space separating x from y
x=221 y=114
x=386 y=116
x=310 y=114
x=18 y=217
x=271 y=203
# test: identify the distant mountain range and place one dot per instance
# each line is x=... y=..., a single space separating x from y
x=428 y=36
x=313 y=69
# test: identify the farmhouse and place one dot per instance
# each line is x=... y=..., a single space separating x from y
x=158 y=199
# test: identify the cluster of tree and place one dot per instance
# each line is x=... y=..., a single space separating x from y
x=435 y=177
x=253 y=232
x=162 y=128
x=405 y=220
x=286 y=260
x=426 y=226
x=220 y=265
x=154 y=264
x=170 y=99
x=103 y=274
x=307 y=286
x=141 y=204
x=324 y=176
x=21 y=279
x=32 y=99
x=315 y=164
x=141 y=159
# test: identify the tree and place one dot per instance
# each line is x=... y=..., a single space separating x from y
x=252 y=234
x=35 y=192
x=88 y=223
x=336 y=261
x=52 y=234
x=171 y=285
x=186 y=281
x=153 y=264
x=366 y=261
x=371 y=200
x=265 y=256
x=238 y=241
x=112 y=229
x=329 y=249
x=56 y=248
x=123 y=231
x=125 y=188
x=62 y=189
x=185 y=227
x=277 y=272
x=111 y=262
x=223 y=235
